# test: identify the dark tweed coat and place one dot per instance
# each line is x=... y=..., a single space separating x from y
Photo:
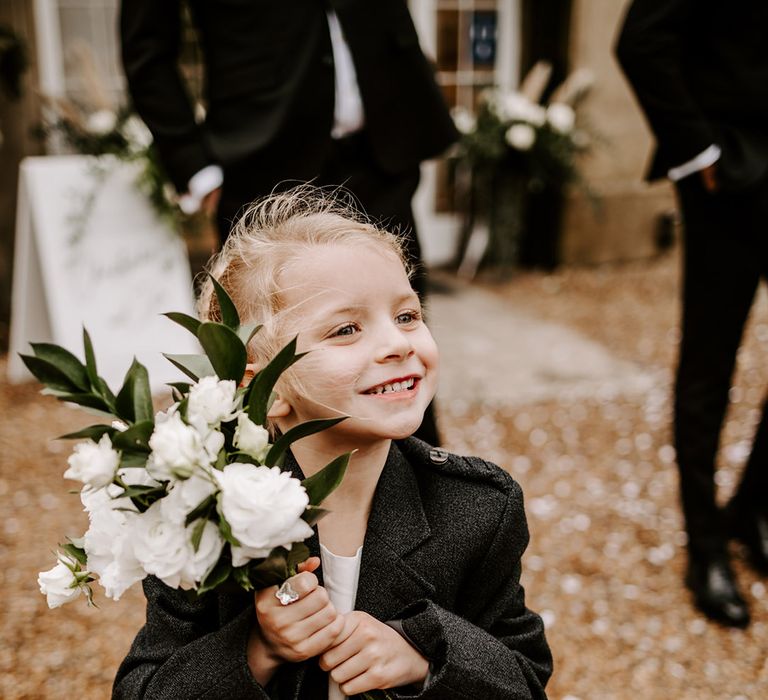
x=441 y=553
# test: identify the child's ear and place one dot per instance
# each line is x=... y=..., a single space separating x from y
x=280 y=408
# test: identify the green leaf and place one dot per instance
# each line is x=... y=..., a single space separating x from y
x=224 y=349
x=135 y=438
x=262 y=384
x=216 y=576
x=272 y=570
x=313 y=514
x=201 y=510
x=229 y=315
x=197 y=533
x=185 y=320
x=179 y=389
x=94 y=432
x=133 y=460
x=240 y=574
x=194 y=366
x=299 y=553
x=246 y=332
x=77 y=553
x=143 y=496
x=65 y=362
x=87 y=401
x=134 y=402
x=302 y=430
x=321 y=484
x=90 y=359
x=224 y=528
x=48 y=374
x=105 y=392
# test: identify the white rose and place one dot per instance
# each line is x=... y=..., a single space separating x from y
x=185 y=496
x=177 y=449
x=101 y=122
x=93 y=463
x=463 y=119
x=263 y=507
x=521 y=136
x=108 y=545
x=561 y=117
x=165 y=549
x=251 y=438
x=59 y=584
x=161 y=545
x=211 y=401
x=200 y=562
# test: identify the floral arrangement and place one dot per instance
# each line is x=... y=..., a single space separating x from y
x=193 y=494
x=122 y=134
x=512 y=131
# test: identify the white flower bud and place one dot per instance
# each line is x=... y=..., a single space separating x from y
x=93 y=463
x=59 y=584
x=101 y=122
x=561 y=117
x=251 y=438
x=521 y=136
x=211 y=401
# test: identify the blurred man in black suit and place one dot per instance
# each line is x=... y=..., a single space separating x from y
x=699 y=69
x=336 y=92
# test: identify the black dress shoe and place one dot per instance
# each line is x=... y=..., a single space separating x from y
x=715 y=592
x=751 y=529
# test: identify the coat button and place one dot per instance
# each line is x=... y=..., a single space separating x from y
x=438 y=456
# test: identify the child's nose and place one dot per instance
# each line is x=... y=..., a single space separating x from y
x=394 y=343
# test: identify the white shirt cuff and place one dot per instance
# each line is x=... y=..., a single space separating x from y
x=706 y=158
x=200 y=184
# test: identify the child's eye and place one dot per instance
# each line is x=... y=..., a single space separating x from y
x=406 y=317
x=346 y=330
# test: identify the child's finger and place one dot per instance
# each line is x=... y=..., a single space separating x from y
x=311 y=564
x=343 y=647
x=351 y=668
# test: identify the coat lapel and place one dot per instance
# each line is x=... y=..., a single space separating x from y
x=397 y=526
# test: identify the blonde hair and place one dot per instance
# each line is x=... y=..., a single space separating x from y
x=271 y=234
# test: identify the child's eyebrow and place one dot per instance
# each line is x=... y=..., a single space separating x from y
x=357 y=308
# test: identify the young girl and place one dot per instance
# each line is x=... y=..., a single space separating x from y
x=419 y=589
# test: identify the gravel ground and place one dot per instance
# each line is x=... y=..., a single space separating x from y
x=607 y=551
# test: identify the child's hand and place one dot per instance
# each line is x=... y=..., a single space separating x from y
x=369 y=655
x=302 y=629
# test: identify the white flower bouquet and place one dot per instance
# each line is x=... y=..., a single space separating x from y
x=513 y=131
x=194 y=494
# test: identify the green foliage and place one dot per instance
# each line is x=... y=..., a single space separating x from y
x=320 y=485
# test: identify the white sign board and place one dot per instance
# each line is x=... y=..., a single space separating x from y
x=91 y=252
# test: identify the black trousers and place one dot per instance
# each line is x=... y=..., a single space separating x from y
x=348 y=162
x=725 y=255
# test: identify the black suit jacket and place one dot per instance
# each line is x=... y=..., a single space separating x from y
x=269 y=81
x=441 y=553
x=700 y=71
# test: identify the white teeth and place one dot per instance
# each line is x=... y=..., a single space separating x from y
x=395 y=386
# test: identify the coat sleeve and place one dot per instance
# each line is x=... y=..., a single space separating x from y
x=150 y=35
x=650 y=50
x=181 y=652
x=497 y=648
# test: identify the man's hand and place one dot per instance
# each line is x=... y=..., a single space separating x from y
x=369 y=655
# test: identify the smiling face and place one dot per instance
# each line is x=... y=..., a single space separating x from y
x=371 y=356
